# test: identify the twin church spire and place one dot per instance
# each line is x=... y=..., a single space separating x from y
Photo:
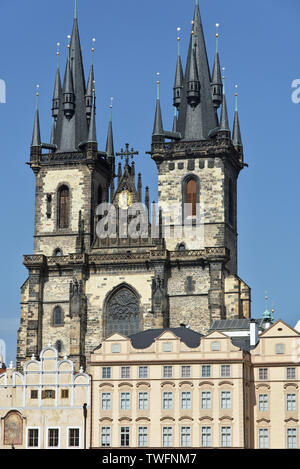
x=197 y=95
x=73 y=103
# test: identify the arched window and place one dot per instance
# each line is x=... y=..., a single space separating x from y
x=59 y=346
x=181 y=247
x=58 y=252
x=122 y=313
x=63 y=207
x=191 y=197
x=57 y=316
x=230 y=203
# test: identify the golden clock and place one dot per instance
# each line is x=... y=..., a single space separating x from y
x=125 y=200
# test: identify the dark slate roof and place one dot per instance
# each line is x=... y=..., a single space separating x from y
x=232 y=324
x=242 y=342
x=144 y=339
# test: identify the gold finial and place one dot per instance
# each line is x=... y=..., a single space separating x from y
x=58 y=46
x=93 y=45
x=178 y=33
x=111 y=103
x=217 y=26
x=69 y=37
x=37 y=90
x=158 y=83
x=37 y=96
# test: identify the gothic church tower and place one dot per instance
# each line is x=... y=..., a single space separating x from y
x=81 y=287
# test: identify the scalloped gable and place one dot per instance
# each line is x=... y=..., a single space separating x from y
x=273 y=331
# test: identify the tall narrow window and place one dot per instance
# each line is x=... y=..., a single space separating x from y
x=191 y=198
x=57 y=316
x=63 y=207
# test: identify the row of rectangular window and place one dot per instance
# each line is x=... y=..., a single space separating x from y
x=263 y=373
x=263 y=402
x=49 y=394
x=225 y=371
x=167 y=347
x=53 y=436
x=291 y=438
x=168 y=436
x=167 y=400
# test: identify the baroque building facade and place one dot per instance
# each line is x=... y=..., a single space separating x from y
x=175 y=388
x=82 y=287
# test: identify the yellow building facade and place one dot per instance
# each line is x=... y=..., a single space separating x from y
x=179 y=389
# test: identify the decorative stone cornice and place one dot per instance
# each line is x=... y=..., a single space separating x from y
x=125 y=384
x=125 y=419
x=143 y=418
x=167 y=418
x=263 y=420
x=263 y=385
x=225 y=417
x=143 y=383
x=186 y=417
x=293 y=385
x=187 y=383
x=104 y=385
x=222 y=383
x=204 y=383
x=206 y=417
x=105 y=418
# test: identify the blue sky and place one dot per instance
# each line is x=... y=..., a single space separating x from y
x=259 y=46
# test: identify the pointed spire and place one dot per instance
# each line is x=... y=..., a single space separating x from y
x=158 y=125
x=92 y=137
x=224 y=123
x=216 y=83
x=90 y=86
x=36 y=136
x=195 y=124
x=193 y=90
x=236 y=134
x=178 y=83
x=110 y=139
x=72 y=128
x=57 y=89
x=119 y=173
x=147 y=200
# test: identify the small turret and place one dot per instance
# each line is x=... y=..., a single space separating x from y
x=216 y=84
x=57 y=89
x=110 y=151
x=92 y=137
x=236 y=134
x=193 y=84
x=224 y=123
x=36 y=136
x=158 y=124
x=68 y=93
x=139 y=187
x=90 y=86
x=178 y=84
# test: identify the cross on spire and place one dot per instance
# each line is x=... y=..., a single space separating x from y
x=127 y=153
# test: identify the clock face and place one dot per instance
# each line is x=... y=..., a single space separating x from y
x=125 y=200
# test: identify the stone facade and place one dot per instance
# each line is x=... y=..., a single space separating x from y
x=180 y=275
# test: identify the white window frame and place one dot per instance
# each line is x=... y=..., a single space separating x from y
x=167 y=347
x=147 y=374
x=126 y=400
x=223 y=368
x=68 y=437
x=206 y=397
x=226 y=400
x=187 y=400
x=186 y=435
x=293 y=436
x=39 y=438
x=106 y=400
x=47 y=437
x=101 y=435
x=265 y=436
x=186 y=368
x=207 y=436
x=227 y=436
x=206 y=367
x=169 y=436
x=143 y=436
x=123 y=368
x=263 y=402
x=106 y=368
x=167 y=367
x=143 y=400
x=127 y=433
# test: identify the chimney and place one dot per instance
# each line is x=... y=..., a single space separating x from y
x=253 y=333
